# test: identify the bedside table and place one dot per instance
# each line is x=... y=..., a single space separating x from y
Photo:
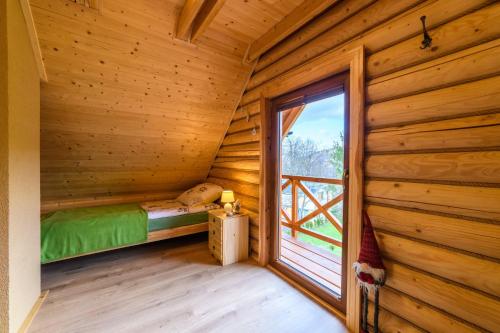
x=227 y=236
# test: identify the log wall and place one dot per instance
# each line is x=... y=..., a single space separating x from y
x=432 y=158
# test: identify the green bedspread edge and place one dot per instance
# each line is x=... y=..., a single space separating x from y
x=72 y=232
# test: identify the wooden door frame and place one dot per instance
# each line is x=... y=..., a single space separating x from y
x=317 y=69
x=329 y=87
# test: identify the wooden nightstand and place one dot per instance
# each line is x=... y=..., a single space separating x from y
x=227 y=236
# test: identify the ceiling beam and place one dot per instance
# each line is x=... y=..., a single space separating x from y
x=305 y=12
x=186 y=18
x=206 y=15
x=35 y=45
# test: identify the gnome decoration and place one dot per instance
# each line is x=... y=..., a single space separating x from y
x=370 y=271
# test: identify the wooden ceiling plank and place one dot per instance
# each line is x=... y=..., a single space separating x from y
x=186 y=18
x=206 y=15
x=290 y=23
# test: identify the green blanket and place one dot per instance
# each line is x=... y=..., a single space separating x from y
x=77 y=231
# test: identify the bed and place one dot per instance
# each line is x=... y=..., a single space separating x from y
x=75 y=232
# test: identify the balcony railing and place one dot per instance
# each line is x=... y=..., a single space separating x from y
x=295 y=223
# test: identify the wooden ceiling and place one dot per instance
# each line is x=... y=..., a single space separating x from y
x=128 y=108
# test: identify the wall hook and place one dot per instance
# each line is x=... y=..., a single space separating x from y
x=427 y=41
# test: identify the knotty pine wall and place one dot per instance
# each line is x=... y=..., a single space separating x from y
x=129 y=112
x=432 y=161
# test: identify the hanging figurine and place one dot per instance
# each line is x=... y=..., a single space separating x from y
x=370 y=272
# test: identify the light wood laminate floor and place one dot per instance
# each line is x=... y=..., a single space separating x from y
x=173 y=286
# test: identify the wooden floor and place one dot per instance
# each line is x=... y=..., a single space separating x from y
x=318 y=264
x=173 y=286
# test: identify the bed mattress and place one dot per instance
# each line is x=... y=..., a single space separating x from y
x=168 y=214
x=171 y=208
x=176 y=221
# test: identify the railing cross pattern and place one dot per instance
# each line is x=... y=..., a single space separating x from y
x=296 y=225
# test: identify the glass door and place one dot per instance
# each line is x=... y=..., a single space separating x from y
x=311 y=219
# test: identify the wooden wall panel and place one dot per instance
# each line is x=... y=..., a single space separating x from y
x=432 y=151
x=460 y=100
x=467 y=235
x=420 y=314
x=130 y=111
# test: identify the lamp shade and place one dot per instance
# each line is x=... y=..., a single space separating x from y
x=227 y=196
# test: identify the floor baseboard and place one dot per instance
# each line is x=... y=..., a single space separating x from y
x=34 y=310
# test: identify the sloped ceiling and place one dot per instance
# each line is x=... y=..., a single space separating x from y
x=129 y=108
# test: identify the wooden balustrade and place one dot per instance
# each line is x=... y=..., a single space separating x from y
x=295 y=223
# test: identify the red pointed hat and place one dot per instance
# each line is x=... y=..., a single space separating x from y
x=369 y=268
x=369 y=253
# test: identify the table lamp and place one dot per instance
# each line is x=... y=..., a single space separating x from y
x=227 y=198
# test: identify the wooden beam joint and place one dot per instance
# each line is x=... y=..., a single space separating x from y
x=195 y=18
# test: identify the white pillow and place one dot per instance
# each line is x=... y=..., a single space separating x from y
x=201 y=194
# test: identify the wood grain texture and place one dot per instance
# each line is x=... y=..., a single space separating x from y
x=235 y=175
x=475 y=28
x=459 y=67
x=461 y=133
x=390 y=323
x=154 y=236
x=240 y=164
x=120 y=117
x=131 y=109
x=172 y=286
x=239 y=23
x=369 y=28
x=475 y=237
x=421 y=314
x=464 y=303
x=206 y=15
x=468 y=167
x=228 y=237
x=303 y=13
x=478 y=273
x=53 y=205
x=331 y=17
x=341 y=33
x=459 y=100
x=35 y=44
x=187 y=17
x=432 y=147
x=472 y=201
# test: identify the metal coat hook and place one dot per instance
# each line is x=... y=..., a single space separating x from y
x=427 y=38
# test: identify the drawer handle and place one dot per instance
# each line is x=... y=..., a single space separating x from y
x=213 y=232
x=213 y=247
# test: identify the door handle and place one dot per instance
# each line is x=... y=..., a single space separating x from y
x=345 y=177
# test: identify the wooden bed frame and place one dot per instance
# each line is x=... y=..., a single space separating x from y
x=153 y=236
x=157 y=235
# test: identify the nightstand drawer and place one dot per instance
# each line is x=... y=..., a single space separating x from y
x=215 y=229
x=215 y=247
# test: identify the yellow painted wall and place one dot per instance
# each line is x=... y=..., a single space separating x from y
x=19 y=172
x=4 y=226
